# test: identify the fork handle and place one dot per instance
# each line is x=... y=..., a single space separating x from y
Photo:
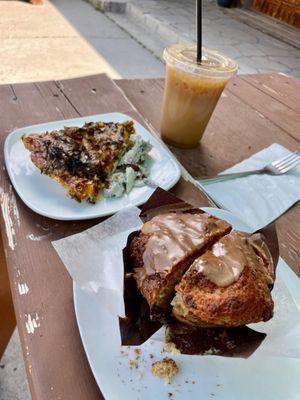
x=225 y=177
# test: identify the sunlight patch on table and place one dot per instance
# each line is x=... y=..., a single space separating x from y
x=53 y=50
x=32 y=322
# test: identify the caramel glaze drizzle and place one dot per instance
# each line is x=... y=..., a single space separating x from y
x=224 y=263
x=173 y=236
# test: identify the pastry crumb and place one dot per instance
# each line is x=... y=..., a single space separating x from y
x=137 y=352
x=211 y=351
x=166 y=369
x=170 y=347
x=133 y=363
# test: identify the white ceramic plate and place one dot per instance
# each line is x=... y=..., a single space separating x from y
x=48 y=198
x=259 y=377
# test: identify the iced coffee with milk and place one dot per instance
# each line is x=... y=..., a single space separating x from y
x=191 y=92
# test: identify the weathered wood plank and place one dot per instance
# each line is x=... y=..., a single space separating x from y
x=280 y=87
x=146 y=95
x=100 y=95
x=266 y=106
x=33 y=264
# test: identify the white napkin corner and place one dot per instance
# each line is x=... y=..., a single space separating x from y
x=258 y=199
x=94 y=257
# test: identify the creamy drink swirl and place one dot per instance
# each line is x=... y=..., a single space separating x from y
x=191 y=92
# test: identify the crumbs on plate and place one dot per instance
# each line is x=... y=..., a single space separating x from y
x=166 y=369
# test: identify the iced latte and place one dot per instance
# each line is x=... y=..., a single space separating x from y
x=191 y=92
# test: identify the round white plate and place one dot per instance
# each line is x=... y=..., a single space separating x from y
x=48 y=198
x=200 y=377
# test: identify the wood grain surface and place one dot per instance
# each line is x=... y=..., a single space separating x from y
x=285 y=10
x=56 y=364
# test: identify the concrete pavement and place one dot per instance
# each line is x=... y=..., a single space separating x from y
x=128 y=58
x=13 y=381
x=157 y=23
x=65 y=39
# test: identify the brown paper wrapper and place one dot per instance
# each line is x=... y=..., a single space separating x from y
x=235 y=342
x=137 y=327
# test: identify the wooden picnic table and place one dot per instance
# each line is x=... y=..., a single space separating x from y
x=254 y=112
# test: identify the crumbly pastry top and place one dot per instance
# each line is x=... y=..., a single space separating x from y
x=227 y=286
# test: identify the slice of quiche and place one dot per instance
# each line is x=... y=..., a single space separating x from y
x=81 y=159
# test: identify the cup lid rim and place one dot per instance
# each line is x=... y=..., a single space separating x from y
x=183 y=56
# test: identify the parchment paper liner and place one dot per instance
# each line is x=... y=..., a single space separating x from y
x=137 y=327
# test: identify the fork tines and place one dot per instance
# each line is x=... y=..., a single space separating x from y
x=288 y=162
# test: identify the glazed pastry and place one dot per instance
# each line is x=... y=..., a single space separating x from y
x=228 y=286
x=166 y=247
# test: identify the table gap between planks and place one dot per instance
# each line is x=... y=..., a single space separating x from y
x=254 y=112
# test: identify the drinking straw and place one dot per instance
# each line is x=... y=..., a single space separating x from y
x=199 y=30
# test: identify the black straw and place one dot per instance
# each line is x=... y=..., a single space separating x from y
x=199 y=30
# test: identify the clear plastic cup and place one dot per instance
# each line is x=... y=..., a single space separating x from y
x=191 y=92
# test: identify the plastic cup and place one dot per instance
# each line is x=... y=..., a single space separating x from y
x=191 y=92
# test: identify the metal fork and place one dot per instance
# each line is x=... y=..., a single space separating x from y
x=277 y=167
